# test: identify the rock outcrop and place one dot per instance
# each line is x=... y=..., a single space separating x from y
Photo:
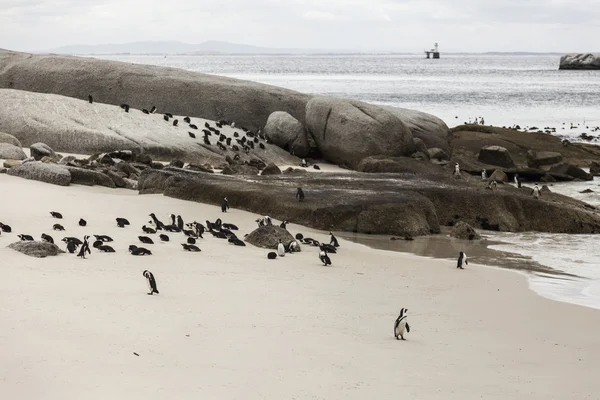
x=49 y=173
x=268 y=237
x=570 y=170
x=464 y=231
x=10 y=139
x=41 y=150
x=346 y=131
x=288 y=133
x=430 y=129
x=499 y=176
x=88 y=177
x=536 y=159
x=271 y=169
x=595 y=168
x=496 y=155
x=580 y=61
x=36 y=249
x=11 y=152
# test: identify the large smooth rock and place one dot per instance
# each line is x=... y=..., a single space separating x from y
x=11 y=152
x=88 y=177
x=346 y=131
x=499 y=176
x=74 y=126
x=38 y=171
x=10 y=139
x=268 y=237
x=496 y=155
x=430 y=129
x=173 y=90
x=271 y=169
x=595 y=168
x=240 y=169
x=36 y=249
x=288 y=133
x=464 y=231
x=41 y=150
x=580 y=61
x=536 y=159
x=570 y=170
x=11 y=163
x=409 y=165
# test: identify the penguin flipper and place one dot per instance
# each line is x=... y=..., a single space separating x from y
x=407 y=328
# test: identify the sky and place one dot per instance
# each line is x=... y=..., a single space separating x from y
x=358 y=25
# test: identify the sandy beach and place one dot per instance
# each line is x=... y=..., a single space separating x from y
x=230 y=324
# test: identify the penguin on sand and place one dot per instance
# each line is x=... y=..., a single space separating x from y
x=333 y=241
x=85 y=247
x=90 y=98
x=462 y=257
x=224 y=205
x=401 y=326
x=280 y=249
x=151 y=282
x=324 y=258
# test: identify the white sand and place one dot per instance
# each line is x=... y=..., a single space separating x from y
x=230 y=324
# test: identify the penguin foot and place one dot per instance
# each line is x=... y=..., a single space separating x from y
x=150 y=294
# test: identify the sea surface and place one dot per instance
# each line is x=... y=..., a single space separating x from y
x=528 y=91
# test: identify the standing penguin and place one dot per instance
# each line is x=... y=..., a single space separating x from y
x=483 y=174
x=324 y=258
x=280 y=249
x=82 y=222
x=300 y=194
x=400 y=326
x=333 y=241
x=462 y=257
x=536 y=192
x=517 y=180
x=224 y=205
x=159 y=224
x=90 y=98
x=456 y=170
x=85 y=247
x=180 y=224
x=151 y=282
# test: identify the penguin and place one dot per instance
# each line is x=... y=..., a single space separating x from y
x=192 y=135
x=267 y=220
x=56 y=215
x=462 y=257
x=121 y=222
x=5 y=228
x=299 y=194
x=280 y=249
x=191 y=240
x=187 y=120
x=103 y=238
x=145 y=239
x=294 y=247
x=206 y=141
x=492 y=185
x=25 y=237
x=316 y=167
x=72 y=239
x=224 y=205
x=85 y=247
x=324 y=258
x=190 y=247
x=151 y=282
x=400 y=326
x=47 y=238
x=58 y=227
x=333 y=241
x=231 y=227
x=90 y=98
x=172 y=228
x=82 y=222
x=159 y=225
x=272 y=255
x=125 y=107
x=148 y=230
x=180 y=224
x=169 y=115
x=483 y=174
x=71 y=246
x=283 y=224
x=535 y=192
x=173 y=219
x=97 y=244
x=299 y=236
x=236 y=241
x=303 y=163
x=166 y=117
x=456 y=170
x=139 y=251
x=153 y=110
x=145 y=111
x=175 y=122
x=327 y=247
x=106 y=249
x=164 y=237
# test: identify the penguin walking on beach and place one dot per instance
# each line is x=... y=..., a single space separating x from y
x=324 y=258
x=90 y=98
x=299 y=194
x=180 y=223
x=151 y=282
x=224 y=205
x=401 y=325
x=536 y=192
x=159 y=225
x=280 y=249
x=333 y=240
x=517 y=179
x=462 y=257
x=85 y=247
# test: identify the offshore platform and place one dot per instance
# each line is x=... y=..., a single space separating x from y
x=433 y=53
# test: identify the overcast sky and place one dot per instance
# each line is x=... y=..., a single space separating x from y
x=411 y=25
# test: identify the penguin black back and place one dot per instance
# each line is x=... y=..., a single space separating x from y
x=82 y=222
x=56 y=215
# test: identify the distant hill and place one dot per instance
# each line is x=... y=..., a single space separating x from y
x=211 y=46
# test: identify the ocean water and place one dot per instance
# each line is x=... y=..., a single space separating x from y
x=505 y=90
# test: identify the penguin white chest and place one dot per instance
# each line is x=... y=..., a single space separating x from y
x=280 y=250
x=400 y=329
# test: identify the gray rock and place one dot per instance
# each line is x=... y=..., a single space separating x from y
x=10 y=139
x=559 y=170
x=89 y=177
x=67 y=160
x=106 y=160
x=176 y=163
x=438 y=154
x=143 y=159
x=496 y=155
x=36 y=249
x=430 y=129
x=420 y=146
x=130 y=184
x=595 y=168
x=49 y=173
x=499 y=176
x=346 y=131
x=118 y=180
x=268 y=237
x=462 y=230
x=240 y=169
x=40 y=150
x=271 y=169
x=580 y=61
x=11 y=163
x=127 y=168
x=11 y=152
x=200 y=168
x=536 y=159
x=288 y=133
x=3 y=170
